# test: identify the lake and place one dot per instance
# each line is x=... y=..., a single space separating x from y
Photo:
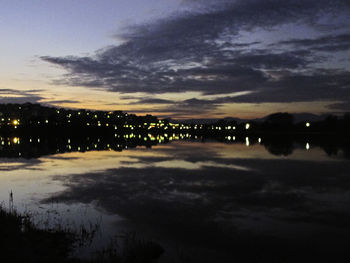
x=202 y=200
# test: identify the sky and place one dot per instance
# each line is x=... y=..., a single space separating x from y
x=178 y=58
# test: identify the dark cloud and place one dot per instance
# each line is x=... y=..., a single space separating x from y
x=19 y=92
x=317 y=86
x=20 y=96
x=31 y=99
x=342 y=106
x=286 y=194
x=329 y=43
x=267 y=60
x=61 y=101
x=152 y=101
x=24 y=96
x=321 y=85
x=179 y=108
x=199 y=50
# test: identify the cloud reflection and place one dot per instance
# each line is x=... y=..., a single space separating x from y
x=217 y=202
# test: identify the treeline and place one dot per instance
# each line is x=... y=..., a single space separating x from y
x=35 y=118
x=285 y=123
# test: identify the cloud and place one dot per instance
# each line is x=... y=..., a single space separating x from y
x=267 y=60
x=19 y=96
x=203 y=50
x=18 y=92
x=20 y=100
x=328 y=43
x=151 y=101
x=343 y=106
x=315 y=86
x=62 y=102
x=218 y=196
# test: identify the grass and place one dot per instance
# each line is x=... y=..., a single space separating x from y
x=22 y=241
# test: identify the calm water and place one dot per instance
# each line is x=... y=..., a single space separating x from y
x=207 y=201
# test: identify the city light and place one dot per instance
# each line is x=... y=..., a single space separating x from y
x=247 y=126
x=307 y=146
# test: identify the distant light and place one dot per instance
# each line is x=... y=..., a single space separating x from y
x=15 y=122
x=259 y=140
x=307 y=124
x=307 y=146
x=247 y=126
x=247 y=141
x=16 y=140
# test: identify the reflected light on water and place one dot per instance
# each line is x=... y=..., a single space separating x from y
x=307 y=146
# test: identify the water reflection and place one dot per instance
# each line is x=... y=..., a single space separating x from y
x=214 y=198
x=196 y=196
x=33 y=147
x=307 y=146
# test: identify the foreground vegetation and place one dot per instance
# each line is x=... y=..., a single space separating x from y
x=22 y=241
